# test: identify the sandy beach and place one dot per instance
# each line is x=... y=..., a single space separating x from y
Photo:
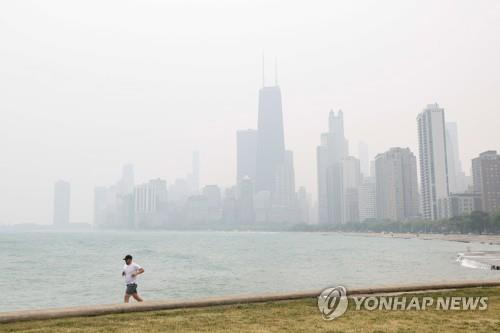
x=483 y=239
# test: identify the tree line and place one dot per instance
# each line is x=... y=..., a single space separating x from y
x=475 y=223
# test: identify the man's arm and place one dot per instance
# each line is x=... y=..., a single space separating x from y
x=138 y=271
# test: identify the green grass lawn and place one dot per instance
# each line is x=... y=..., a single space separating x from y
x=293 y=316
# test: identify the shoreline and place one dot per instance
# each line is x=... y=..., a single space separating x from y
x=491 y=239
x=462 y=238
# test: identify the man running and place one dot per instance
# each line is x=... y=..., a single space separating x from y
x=130 y=272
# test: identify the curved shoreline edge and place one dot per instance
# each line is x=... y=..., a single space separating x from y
x=97 y=310
x=461 y=238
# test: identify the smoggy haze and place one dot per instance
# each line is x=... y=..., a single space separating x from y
x=88 y=86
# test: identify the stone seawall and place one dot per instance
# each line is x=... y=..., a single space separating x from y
x=85 y=311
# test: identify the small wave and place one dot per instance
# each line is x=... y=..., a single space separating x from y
x=479 y=259
x=469 y=263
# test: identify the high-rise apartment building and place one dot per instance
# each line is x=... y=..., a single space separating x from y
x=433 y=159
x=486 y=178
x=367 y=195
x=396 y=183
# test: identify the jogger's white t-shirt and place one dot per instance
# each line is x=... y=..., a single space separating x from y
x=129 y=269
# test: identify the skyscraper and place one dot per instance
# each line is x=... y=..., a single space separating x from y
x=364 y=158
x=284 y=198
x=486 y=177
x=285 y=182
x=367 y=199
x=351 y=178
x=150 y=203
x=456 y=176
x=126 y=184
x=274 y=173
x=330 y=153
x=62 y=193
x=262 y=206
x=246 y=154
x=304 y=203
x=396 y=184
x=271 y=139
x=194 y=177
x=229 y=205
x=114 y=205
x=178 y=192
x=433 y=159
x=100 y=206
x=214 y=202
x=124 y=201
x=245 y=202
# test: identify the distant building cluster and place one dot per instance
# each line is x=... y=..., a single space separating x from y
x=390 y=191
x=350 y=189
x=446 y=191
x=264 y=192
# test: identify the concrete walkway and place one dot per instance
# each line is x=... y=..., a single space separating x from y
x=82 y=311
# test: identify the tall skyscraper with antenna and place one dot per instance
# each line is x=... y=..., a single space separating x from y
x=271 y=138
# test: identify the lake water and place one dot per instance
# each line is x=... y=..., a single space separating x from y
x=54 y=269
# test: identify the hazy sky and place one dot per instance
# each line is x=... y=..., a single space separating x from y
x=86 y=86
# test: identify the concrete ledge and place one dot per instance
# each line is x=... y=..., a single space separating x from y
x=97 y=310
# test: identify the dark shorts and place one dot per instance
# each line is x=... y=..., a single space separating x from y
x=131 y=289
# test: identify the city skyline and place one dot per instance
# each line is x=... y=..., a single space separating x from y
x=103 y=107
x=446 y=131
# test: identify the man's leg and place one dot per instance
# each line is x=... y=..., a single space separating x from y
x=126 y=298
x=137 y=297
